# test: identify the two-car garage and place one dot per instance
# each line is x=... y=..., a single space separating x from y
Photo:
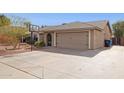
x=72 y=40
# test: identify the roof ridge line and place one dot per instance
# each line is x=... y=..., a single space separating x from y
x=97 y=21
x=90 y=24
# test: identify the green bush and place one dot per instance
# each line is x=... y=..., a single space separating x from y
x=28 y=40
x=39 y=44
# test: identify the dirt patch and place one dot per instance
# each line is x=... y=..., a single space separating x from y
x=5 y=50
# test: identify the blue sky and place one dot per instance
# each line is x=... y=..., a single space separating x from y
x=59 y=18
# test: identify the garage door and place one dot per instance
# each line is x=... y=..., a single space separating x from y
x=73 y=40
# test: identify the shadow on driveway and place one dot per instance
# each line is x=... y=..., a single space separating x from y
x=86 y=53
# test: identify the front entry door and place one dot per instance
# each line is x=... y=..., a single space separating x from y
x=49 y=40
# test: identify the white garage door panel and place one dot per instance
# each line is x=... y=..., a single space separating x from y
x=73 y=40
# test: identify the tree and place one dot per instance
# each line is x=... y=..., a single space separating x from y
x=118 y=29
x=14 y=33
x=19 y=21
x=20 y=26
x=11 y=35
x=4 y=21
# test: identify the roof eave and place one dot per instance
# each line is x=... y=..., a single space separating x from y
x=93 y=28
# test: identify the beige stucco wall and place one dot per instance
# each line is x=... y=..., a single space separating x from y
x=92 y=39
x=41 y=37
x=98 y=39
x=45 y=38
x=107 y=34
x=52 y=34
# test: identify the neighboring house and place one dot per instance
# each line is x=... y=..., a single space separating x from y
x=76 y=35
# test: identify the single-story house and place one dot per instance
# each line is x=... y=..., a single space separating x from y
x=76 y=35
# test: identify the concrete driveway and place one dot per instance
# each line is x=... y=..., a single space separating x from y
x=54 y=63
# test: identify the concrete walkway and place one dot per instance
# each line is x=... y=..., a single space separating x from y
x=56 y=63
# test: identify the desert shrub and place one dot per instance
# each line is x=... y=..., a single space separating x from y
x=39 y=44
x=9 y=39
x=12 y=30
x=28 y=40
x=11 y=35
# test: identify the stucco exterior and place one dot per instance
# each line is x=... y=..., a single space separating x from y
x=98 y=39
x=73 y=36
x=77 y=39
x=107 y=33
